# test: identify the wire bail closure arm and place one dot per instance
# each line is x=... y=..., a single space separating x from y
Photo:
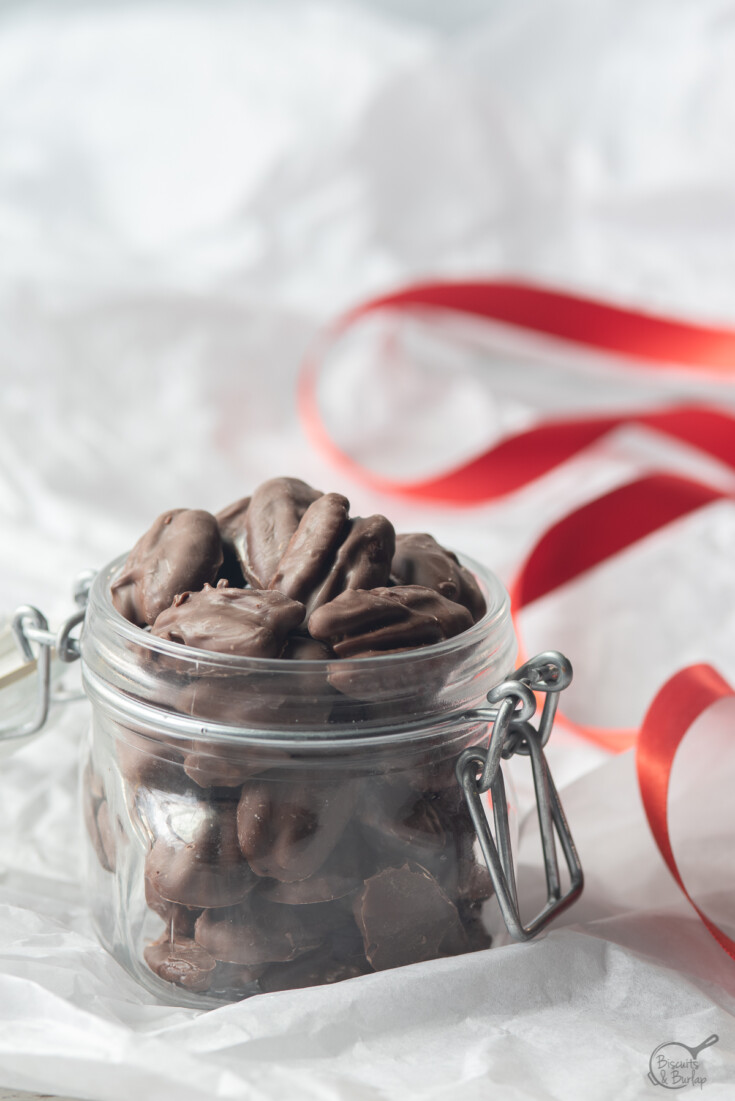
x=30 y=627
x=513 y=704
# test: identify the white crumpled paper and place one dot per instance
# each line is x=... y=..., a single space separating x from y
x=187 y=192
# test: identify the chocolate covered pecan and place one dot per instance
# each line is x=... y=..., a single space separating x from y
x=195 y=859
x=330 y=553
x=179 y=920
x=181 y=961
x=251 y=935
x=287 y=829
x=420 y=560
x=362 y=623
x=248 y=622
x=181 y=550
x=405 y=917
x=262 y=532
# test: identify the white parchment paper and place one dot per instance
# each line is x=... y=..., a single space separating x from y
x=187 y=192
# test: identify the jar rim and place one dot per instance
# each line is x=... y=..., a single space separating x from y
x=152 y=682
x=497 y=610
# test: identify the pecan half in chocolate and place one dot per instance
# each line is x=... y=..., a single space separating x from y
x=420 y=560
x=268 y=522
x=195 y=859
x=248 y=622
x=406 y=917
x=181 y=961
x=287 y=829
x=181 y=550
x=330 y=553
x=256 y=933
x=362 y=623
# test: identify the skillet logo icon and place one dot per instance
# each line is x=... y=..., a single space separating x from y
x=674 y=1065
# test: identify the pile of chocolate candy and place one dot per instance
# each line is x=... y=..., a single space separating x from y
x=273 y=868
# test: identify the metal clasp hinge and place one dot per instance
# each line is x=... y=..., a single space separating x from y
x=30 y=626
x=479 y=771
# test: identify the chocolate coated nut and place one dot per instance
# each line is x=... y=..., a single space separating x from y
x=339 y=876
x=181 y=550
x=420 y=560
x=411 y=828
x=274 y=513
x=288 y=829
x=362 y=561
x=312 y=547
x=329 y=553
x=362 y=623
x=320 y=887
x=247 y=622
x=213 y=765
x=151 y=761
x=180 y=961
x=195 y=858
x=179 y=920
x=254 y=934
x=405 y=917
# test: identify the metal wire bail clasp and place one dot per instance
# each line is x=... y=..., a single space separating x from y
x=513 y=704
x=30 y=627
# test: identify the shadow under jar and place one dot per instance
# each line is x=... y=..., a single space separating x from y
x=262 y=824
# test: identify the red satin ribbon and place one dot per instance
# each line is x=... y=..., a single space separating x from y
x=604 y=526
x=682 y=699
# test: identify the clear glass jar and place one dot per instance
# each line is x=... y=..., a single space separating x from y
x=259 y=824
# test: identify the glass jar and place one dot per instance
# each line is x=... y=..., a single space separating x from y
x=260 y=824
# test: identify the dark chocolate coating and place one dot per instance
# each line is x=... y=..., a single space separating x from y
x=180 y=961
x=420 y=560
x=405 y=917
x=150 y=761
x=181 y=550
x=288 y=829
x=272 y=517
x=248 y=622
x=362 y=562
x=179 y=920
x=231 y=522
x=312 y=547
x=211 y=764
x=201 y=865
x=362 y=623
x=254 y=934
x=339 y=876
x=330 y=553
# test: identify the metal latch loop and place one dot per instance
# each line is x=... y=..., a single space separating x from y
x=30 y=628
x=478 y=771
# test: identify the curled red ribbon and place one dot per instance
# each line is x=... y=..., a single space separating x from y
x=604 y=526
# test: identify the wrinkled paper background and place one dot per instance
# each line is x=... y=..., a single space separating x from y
x=188 y=191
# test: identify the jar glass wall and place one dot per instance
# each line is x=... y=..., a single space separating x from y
x=257 y=824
